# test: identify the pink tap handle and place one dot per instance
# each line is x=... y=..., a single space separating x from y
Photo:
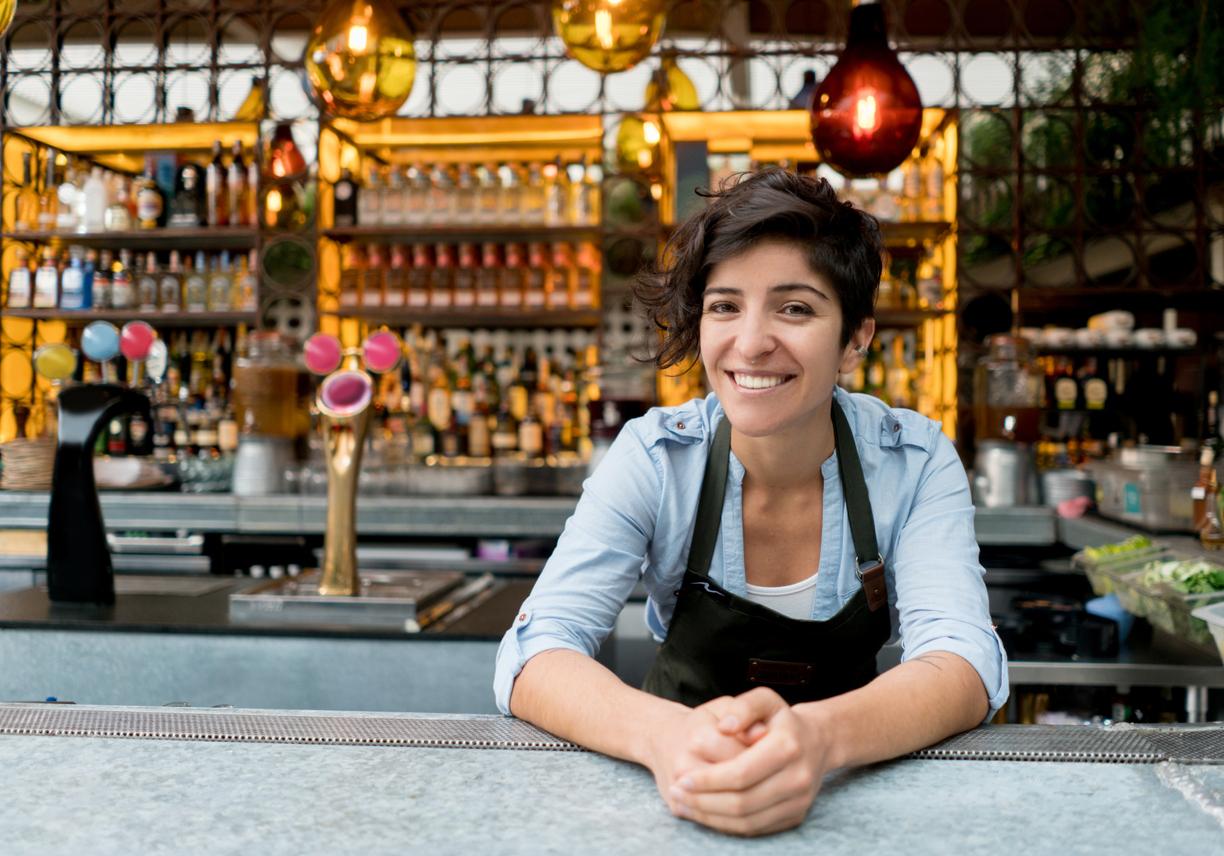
x=346 y=393
x=382 y=351
x=135 y=340
x=323 y=353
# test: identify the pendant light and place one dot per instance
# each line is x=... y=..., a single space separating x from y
x=866 y=113
x=8 y=8
x=639 y=138
x=360 y=60
x=608 y=35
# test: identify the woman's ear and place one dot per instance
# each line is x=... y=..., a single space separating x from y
x=856 y=349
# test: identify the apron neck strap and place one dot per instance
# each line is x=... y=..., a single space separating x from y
x=714 y=489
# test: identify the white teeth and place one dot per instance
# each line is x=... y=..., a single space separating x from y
x=758 y=382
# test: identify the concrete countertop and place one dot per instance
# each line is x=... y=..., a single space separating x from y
x=104 y=795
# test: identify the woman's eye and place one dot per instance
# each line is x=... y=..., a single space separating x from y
x=796 y=309
x=720 y=307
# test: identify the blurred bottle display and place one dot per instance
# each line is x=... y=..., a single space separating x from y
x=537 y=193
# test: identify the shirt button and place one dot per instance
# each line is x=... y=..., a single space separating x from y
x=896 y=427
x=680 y=426
x=522 y=616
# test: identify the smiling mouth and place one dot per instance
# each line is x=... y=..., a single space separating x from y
x=759 y=381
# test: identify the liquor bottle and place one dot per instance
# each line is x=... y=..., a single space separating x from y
x=416 y=195
x=1066 y=389
x=121 y=296
x=236 y=187
x=48 y=201
x=393 y=198
x=352 y=272
x=284 y=158
x=587 y=279
x=420 y=275
x=465 y=195
x=440 y=283
x=345 y=200
x=1211 y=533
x=20 y=283
x=245 y=282
x=1211 y=423
x=46 y=281
x=510 y=202
x=559 y=286
x=438 y=402
x=441 y=210
x=195 y=284
x=395 y=292
x=556 y=193
x=375 y=278
x=150 y=202
x=536 y=279
x=584 y=193
x=513 y=278
x=505 y=432
x=118 y=216
x=1198 y=493
x=170 y=285
x=369 y=200
x=216 y=188
x=465 y=278
x=532 y=212
x=89 y=268
x=488 y=277
x=96 y=199
x=531 y=436
x=487 y=192
x=147 y=285
x=66 y=193
x=220 y=284
x=251 y=199
x=103 y=289
x=26 y=214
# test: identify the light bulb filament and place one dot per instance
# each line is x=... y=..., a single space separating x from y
x=358 y=38
x=866 y=116
x=603 y=29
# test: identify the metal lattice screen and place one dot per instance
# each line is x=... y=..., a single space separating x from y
x=1090 y=161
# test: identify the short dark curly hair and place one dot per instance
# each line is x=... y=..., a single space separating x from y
x=843 y=244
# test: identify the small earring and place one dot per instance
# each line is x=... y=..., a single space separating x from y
x=861 y=350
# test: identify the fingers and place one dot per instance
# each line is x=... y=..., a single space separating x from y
x=786 y=814
x=791 y=781
x=754 y=706
x=707 y=743
x=777 y=749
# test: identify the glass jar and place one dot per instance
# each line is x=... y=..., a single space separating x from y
x=268 y=384
x=1008 y=387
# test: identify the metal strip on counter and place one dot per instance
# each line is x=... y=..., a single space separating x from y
x=1119 y=744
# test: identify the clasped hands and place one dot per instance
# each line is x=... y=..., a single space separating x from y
x=745 y=765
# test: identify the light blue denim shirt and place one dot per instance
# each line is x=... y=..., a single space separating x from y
x=635 y=520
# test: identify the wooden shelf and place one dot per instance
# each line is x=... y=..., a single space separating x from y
x=398 y=316
x=157 y=319
x=1133 y=352
x=462 y=234
x=913 y=235
x=185 y=239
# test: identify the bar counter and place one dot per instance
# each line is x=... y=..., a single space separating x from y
x=198 y=793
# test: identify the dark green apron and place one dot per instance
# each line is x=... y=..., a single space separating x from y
x=721 y=644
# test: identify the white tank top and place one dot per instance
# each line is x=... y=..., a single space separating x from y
x=794 y=601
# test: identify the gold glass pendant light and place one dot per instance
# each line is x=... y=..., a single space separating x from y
x=7 y=9
x=608 y=35
x=360 y=60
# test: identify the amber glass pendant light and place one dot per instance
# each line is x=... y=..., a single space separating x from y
x=360 y=60
x=7 y=9
x=866 y=114
x=608 y=35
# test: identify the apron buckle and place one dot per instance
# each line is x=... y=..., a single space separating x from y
x=871 y=576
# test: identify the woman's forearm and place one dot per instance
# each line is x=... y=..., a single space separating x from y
x=576 y=698
x=907 y=708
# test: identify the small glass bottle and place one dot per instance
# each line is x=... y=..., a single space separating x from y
x=465 y=195
x=21 y=283
x=46 y=281
x=220 y=284
x=440 y=296
x=147 y=285
x=533 y=196
x=487 y=193
x=170 y=285
x=369 y=200
x=121 y=296
x=118 y=216
x=393 y=198
x=195 y=284
x=103 y=288
x=150 y=202
x=26 y=219
x=1211 y=533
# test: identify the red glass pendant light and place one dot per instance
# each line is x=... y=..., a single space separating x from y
x=866 y=114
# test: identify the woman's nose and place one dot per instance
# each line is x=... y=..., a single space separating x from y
x=755 y=339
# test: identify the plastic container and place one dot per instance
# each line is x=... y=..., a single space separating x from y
x=1213 y=617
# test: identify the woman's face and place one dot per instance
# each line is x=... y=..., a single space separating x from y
x=770 y=339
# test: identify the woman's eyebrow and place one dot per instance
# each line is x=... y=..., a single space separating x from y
x=784 y=287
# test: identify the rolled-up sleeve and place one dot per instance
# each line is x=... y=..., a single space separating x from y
x=599 y=556
x=941 y=592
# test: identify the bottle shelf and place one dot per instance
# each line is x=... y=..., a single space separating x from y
x=397 y=316
x=157 y=319
x=454 y=234
x=171 y=238
x=906 y=317
x=1134 y=352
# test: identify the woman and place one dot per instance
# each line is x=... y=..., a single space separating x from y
x=773 y=524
